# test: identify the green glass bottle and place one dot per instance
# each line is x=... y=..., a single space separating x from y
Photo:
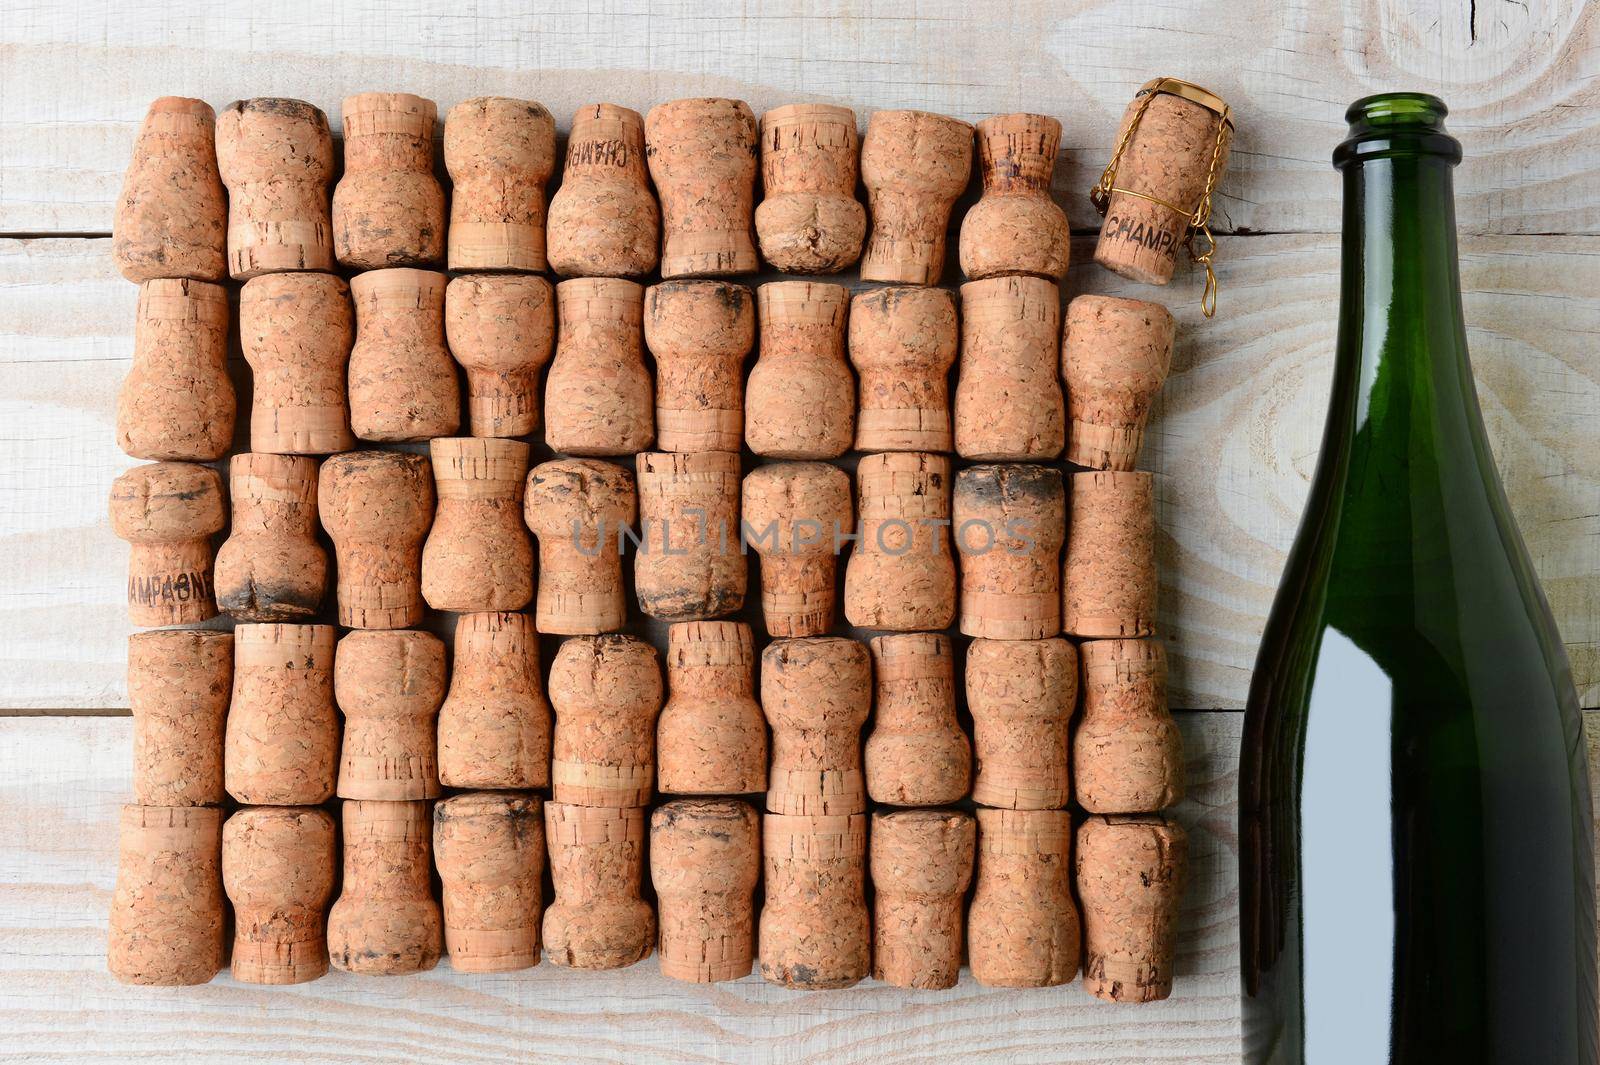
x=1416 y=871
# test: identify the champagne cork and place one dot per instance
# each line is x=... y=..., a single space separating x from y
x=389 y=686
x=815 y=931
x=1114 y=357
x=914 y=165
x=795 y=514
x=1109 y=578
x=705 y=860
x=1022 y=929
x=276 y=157
x=1128 y=757
x=387 y=922
x=816 y=694
x=376 y=506
x=688 y=566
x=903 y=343
x=1008 y=396
x=490 y=852
x=604 y=221
x=402 y=379
x=168 y=512
x=494 y=726
x=1009 y=523
x=921 y=866
x=598 y=920
x=577 y=509
x=501 y=329
x=902 y=571
x=478 y=555
x=1131 y=873
x=1022 y=695
x=167 y=911
x=607 y=692
x=297 y=331
x=177 y=401
x=809 y=221
x=500 y=154
x=277 y=866
x=282 y=742
x=699 y=333
x=1016 y=228
x=800 y=401
x=388 y=208
x=271 y=567
x=178 y=686
x=171 y=217
x=711 y=738
x=598 y=398
x=702 y=155
x=917 y=754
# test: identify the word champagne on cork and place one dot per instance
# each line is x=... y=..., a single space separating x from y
x=388 y=685
x=1131 y=872
x=606 y=691
x=178 y=686
x=276 y=157
x=490 y=852
x=500 y=153
x=921 y=862
x=282 y=740
x=699 y=333
x=702 y=156
x=902 y=571
x=903 y=341
x=171 y=215
x=688 y=566
x=598 y=394
x=800 y=401
x=402 y=379
x=711 y=738
x=816 y=693
x=604 y=221
x=576 y=509
x=168 y=512
x=167 y=910
x=794 y=514
x=387 y=921
x=271 y=568
x=810 y=221
x=494 y=725
x=1022 y=694
x=477 y=555
x=388 y=208
x=377 y=506
x=705 y=861
x=598 y=919
x=917 y=754
x=1115 y=354
x=278 y=865
x=1016 y=228
x=501 y=328
x=177 y=401
x=297 y=331
x=914 y=165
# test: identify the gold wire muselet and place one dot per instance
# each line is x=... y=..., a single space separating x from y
x=1200 y=215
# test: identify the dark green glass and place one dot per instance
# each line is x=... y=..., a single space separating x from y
x=1416 y=873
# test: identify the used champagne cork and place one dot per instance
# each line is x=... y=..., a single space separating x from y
x=902 y=571
x=168 y=512
x=490 y=852
x=917 y=754
x=577 y=509
x=809 y=221
x=167 y=911
x=1128 y=754
x=702 y=156
x=699 y=333
x=1022 y=695
x=1009 y=523
x=598 y=920
x=171 y=217
x=795 y=514
x=276 y=157
x=1115 y=354
x=598 y=398
x=177 y=401
x=902 y=344
x=1109 y=578
x=271 y=567
x=688 y=566
x=388 y=208
x=387 y=922
x=914 y=165
x=178 y=686
x=711 y=738
x=500 y=154
x=1022 y=929
x=606 y=691
x=389 y=686
x=816 y=694
x=402 y=379
x=296 y=331
x=1008 y=396
x=815 y=930
x=278 y=866
x=376 y=506
x=501 y=329
x=494 y=725
x=1016 y=228
x=282 y=740
x=478 y=555
x=604 y=221
x=705 y=860
x=800 y=401
x=921 y=865
x=1131 y=873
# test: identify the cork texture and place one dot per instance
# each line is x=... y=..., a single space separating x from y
x=388 y=208
x=282 y=738
x=1108 y=582
x=606 y=691
x=387 y=922
x=1009 y=405
x=297 y=331
x=699 y=333
x=1015 y=227
x=1128 y=757
x=914 y=165
x=1022 y=695
x=800 y=400
x=179 y=681
x=902 y=571
x=809 y=221
x=705 y=861
x=702 y=157
x=168 y=512
x=389 y=686
x=494 y=724
x=1115 y=354
x=271 y=567
x=171 y=215
x=903 y=341
x=1009 y=522
x=794 y=516
x=921 y=864
x=177 y=401
x=604 y=221
x=276 y=157
x=490 y=853
x=1131 y=873
x=1022 y=928
x=816 y=694
x=402 y=379
x=501 y=329
x=815 y=931
x=688 y=566
x=598 y=398
x=278 y=864
x=167 y=909
x=478 y=555
x=377 y=506
x=917 y=754
x=500 y=154
x=711 y=738
x=576 y=509
x=598 y=920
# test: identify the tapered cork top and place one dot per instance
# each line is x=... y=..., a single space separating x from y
x=167 y=502
x=276 y=157
x=378 y=496
x=1115 y=354
x=1016 y=228
x=914 y=165
x=604 y=220
x=500 y=152
x=581 y=493
x=171 y=215
x=273 y=138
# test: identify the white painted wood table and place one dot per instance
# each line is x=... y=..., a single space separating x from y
x=1233 y=442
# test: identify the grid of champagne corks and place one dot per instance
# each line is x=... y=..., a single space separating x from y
x=783 y=840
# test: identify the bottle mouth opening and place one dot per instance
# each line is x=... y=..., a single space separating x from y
x=1394 y=124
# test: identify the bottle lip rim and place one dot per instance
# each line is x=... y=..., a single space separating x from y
x=1397 y=124
x=1398 y=105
